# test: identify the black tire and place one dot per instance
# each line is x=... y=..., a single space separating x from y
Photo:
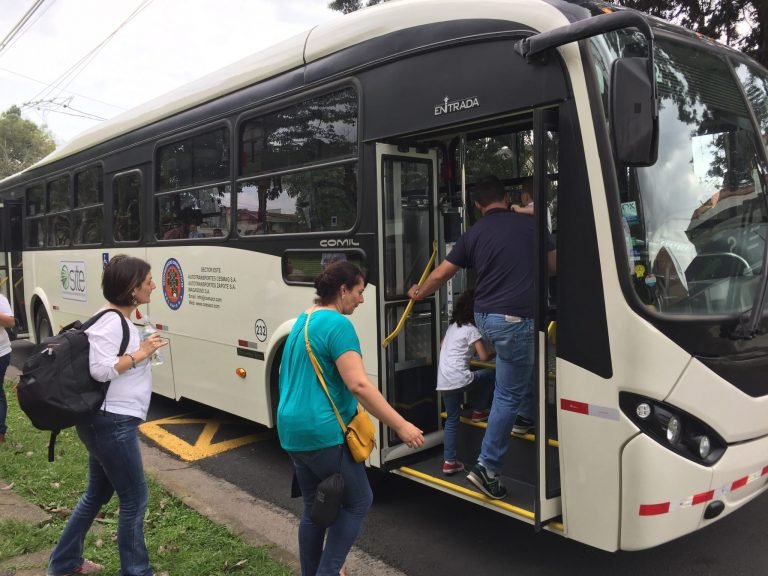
x=43 y=328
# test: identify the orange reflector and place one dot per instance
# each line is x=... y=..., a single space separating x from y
x=241 y=372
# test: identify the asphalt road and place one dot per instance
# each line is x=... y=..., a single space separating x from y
x=424 y=532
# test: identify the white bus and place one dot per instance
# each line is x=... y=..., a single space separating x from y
x=362 y=139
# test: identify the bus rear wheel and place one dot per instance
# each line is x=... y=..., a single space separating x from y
x=43 y=327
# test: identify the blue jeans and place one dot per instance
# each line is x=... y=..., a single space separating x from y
x=483 y=382
x=114 y=465
x=513 y=395
x=311 y=468
x=5 y=361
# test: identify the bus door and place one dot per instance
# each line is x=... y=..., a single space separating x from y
x=11 y=269
x=546 y=185
x=407 y=182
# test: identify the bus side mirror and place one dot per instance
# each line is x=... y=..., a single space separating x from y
x=634 y=121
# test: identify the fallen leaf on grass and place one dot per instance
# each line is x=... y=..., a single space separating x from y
x=235 y=566
x=8 y=487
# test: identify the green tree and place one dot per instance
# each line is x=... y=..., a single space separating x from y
x=722 y=20
x=22 y=142
x=347 y=6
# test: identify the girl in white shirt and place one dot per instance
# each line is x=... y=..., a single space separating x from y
x=454 y=377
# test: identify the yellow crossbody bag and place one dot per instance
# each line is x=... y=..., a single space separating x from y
x=359 y=433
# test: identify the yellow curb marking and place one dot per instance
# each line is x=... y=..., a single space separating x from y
x=203 y=446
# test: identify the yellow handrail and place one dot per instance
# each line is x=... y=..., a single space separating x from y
x=408 y=308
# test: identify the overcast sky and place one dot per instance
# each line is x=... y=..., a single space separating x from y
x=167 y=44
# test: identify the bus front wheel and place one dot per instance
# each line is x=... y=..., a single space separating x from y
x=43 y=327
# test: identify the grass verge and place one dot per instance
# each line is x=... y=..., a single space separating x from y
x=181 y=542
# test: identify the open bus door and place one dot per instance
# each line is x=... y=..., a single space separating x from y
x=513 y=151
x=545 y=182
x=11 y=270
x=407 y=196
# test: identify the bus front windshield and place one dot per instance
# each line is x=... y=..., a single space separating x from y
x=695 y=222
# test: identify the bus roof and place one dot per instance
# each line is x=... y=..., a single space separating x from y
x=304 y=48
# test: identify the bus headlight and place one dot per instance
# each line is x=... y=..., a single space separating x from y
x=673 y=428
x=703 y=446
x=643 y=410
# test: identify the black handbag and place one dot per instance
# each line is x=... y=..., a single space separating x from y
x=325 y=508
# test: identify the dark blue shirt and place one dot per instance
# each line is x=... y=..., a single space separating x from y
x=500 y=247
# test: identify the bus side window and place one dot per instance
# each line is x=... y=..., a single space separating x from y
x=126 y=202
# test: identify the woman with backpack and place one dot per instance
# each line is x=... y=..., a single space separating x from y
x=111 y=435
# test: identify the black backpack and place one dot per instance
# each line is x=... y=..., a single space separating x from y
x=55 y=388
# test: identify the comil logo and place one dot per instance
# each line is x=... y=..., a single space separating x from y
x=451 y=106
x=72 y=277
x=339 y=243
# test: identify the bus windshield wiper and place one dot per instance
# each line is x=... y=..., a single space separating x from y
x=750 y=319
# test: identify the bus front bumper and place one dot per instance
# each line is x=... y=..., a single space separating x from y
x=665 y=496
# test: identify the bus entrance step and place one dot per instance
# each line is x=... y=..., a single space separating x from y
x=530 y=437
x=519 y=501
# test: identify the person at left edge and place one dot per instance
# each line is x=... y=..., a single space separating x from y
x=111 y=435
x=307 y=425
x=7 y=320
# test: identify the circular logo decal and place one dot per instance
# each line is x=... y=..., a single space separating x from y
x=64 y=275
x=173 y=284
x=261 y=330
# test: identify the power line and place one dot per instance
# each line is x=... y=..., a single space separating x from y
x=69 y=75
x=20 y=24
x=31 y=24
x=122 y=108
x=54 y=103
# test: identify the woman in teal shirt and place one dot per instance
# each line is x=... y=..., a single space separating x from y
x=307 y=425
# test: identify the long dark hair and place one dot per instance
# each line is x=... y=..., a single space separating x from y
x=464 y=309
x=121 y=277
x=333 y=277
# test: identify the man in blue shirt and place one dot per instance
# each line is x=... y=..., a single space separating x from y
x=501 y=248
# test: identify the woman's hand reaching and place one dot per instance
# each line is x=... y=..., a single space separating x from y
x=410 y=435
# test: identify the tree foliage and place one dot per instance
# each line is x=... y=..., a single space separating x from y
x=347 y=6
x=22 y=142
x=719 y=19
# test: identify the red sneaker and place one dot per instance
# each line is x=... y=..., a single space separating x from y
x=480 y=415
x=452 y=467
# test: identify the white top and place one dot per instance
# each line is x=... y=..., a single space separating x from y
x=5 y=342
x=457 y=350
x=130 y=392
